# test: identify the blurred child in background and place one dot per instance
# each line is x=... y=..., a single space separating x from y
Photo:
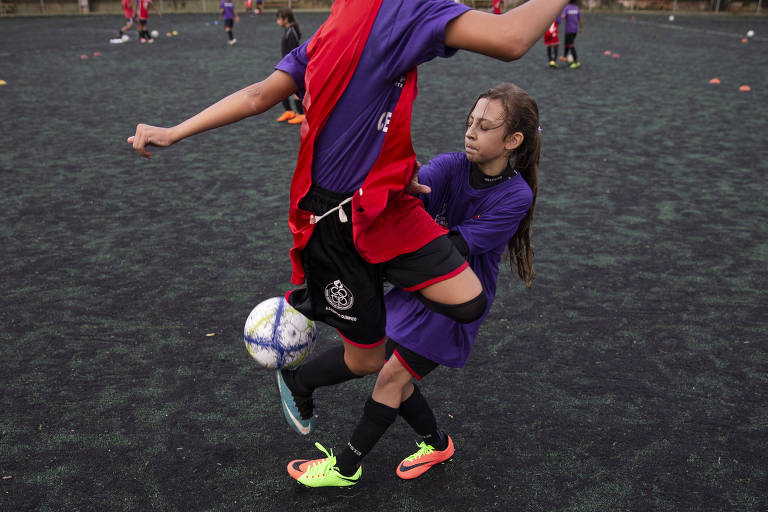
x=573 y=24
x=129 y=9
x=229 y=14
x=144 y=6
x=291 y=39
x=552 y=42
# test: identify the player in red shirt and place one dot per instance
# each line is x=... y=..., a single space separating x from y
x=144 y=6
x=552 y=42
x=130 y=17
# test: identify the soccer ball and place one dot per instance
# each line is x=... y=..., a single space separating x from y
x=155 y=34
x=569 y=59
x=277 y=335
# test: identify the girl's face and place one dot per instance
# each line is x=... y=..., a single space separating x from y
x=281 y=21
x=485 y=141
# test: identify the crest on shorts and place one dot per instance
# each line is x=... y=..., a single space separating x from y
x=339 y=295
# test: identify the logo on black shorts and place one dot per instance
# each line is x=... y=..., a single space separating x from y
x=339 y=295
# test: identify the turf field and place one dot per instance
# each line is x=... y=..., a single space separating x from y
x=633 y=376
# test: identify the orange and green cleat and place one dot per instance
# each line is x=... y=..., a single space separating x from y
x=321 y=472
x=417 y=464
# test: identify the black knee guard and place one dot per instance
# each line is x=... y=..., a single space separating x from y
x=464 y=313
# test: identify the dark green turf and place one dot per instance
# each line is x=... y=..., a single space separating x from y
x=633 y=376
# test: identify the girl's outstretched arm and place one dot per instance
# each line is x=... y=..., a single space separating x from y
x=252 y=100
x=506 y=37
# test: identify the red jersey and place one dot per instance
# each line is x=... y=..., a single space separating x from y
x=385 y=220
x=144 y=8
x=496 y=6
x=551 y=36
x=128 y=8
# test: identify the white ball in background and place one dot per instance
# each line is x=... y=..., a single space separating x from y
x=750 y=33
x=671 y=18
x=155 y=34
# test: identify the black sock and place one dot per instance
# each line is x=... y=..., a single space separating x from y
x=549 y=53
x=376 y=420
x=230 y=35
x=326 y=369
x=417 y=412
x=573 y=52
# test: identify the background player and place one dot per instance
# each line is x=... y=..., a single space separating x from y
x=129 y=9
x=290 y=40
x=144 y=6
x=573 y=24
x=229 y=14
x=552 y=42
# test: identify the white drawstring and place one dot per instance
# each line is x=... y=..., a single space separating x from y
x=342 y=216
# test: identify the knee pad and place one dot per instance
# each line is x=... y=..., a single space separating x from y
x=464 y=313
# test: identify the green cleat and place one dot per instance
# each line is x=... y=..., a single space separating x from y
x=321 y=472
x=575 y=65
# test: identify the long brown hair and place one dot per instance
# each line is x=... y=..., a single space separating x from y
x=521 y=115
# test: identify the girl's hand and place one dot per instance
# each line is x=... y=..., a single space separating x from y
x=415 y=188
x=147 y=135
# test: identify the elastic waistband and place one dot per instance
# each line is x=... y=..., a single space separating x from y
x=323 y=194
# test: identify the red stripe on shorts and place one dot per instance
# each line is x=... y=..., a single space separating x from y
x=402 y=361
x=437 y=279
x=372 y=345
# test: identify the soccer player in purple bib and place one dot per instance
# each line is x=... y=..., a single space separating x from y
x=229 y=14
x=486 y=197
x=574 y=25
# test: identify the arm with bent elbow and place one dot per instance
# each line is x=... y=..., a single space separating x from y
x=506 y=37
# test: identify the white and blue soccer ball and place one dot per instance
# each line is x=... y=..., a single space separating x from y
x=277 y=335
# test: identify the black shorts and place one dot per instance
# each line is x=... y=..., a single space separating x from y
x=569 y=39
x=229 y=23
x=417 y=365
x=347 y=292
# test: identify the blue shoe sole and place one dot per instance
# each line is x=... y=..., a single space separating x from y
x=291 y=412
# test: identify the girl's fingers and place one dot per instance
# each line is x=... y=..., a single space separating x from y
x=139 y=141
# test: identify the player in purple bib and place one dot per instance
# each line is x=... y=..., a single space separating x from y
x=486 y=198
x=482 y=211
x=229 y=15
x=574 y=25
